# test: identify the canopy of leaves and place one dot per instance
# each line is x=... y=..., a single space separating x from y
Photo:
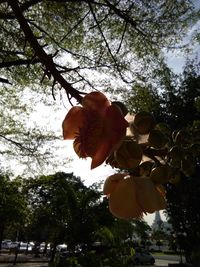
x=25 y=140
x=13 y=204
x=119 y=37
x=73 y=42
x=62 y=209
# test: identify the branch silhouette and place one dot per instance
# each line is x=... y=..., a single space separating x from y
x=44 y=58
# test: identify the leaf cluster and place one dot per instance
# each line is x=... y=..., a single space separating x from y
x=92 y=35
x=177 y=106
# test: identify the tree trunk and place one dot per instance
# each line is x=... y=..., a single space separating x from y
x=53 y=252
x=1 y=234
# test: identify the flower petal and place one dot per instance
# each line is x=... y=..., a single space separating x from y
x=111 y=182
x=149 y=198
x=95 y=101
x=115 y=119
x=129 y=154
x=161 y=189
x=102 y=153
x=89 y=135
x=73 y=121
x=114 y=131
x=122 y=201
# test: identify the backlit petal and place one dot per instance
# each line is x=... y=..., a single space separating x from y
x=115 y=126
x=73 y=121
x=111 y=182
x=89 y=135
x=114 y=131
x=102 y=153
x=161 y=189
x=122 y=201
x=95 y=101
x=98 y=128
x=149 y=198
x=78 y=148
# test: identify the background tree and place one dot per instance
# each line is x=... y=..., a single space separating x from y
x=13 y=207
x=63 y=210
x=159 y=236
x=142 y=230
x=23 y=140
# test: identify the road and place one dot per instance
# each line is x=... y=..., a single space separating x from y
x=164 y=260
x=160 y=261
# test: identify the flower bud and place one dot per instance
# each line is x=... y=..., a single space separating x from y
x=143 y=122
x=129 y=154
x=176 y=155
x=161 y=174
x=157 y=139
x=112 y=161
x=121 y=106
x=182 y=137
x=145 y=168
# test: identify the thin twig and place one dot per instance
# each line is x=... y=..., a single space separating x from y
x=107 y=45
x=75 y=26
x=122 y=38
x=22 y=147
x=58 y=44
x=126 y=18
x=23 y=7
x=42 y=55
x=101 y=32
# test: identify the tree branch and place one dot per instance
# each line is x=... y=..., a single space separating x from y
x=2 y=80
x=58 y=43
x=75 y=26
x=18 y=144
x=125 y=17
x=40 y=53
x=101 y=32
x=122 y=38
x=18 y=62
x=107 y=45
x=24 y=7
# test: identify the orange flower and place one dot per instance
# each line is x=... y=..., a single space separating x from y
x=130 y=197
x=97 y=128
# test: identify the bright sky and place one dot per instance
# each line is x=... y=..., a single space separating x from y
x=177 y=58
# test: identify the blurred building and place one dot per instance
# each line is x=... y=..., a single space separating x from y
x=158 y=222
x=160 y=229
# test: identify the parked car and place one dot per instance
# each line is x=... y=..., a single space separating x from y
x=6 y=244
x=143 y=257
x=61 y=247
x=14 y=245
x=42 y=247
x=25 y=247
